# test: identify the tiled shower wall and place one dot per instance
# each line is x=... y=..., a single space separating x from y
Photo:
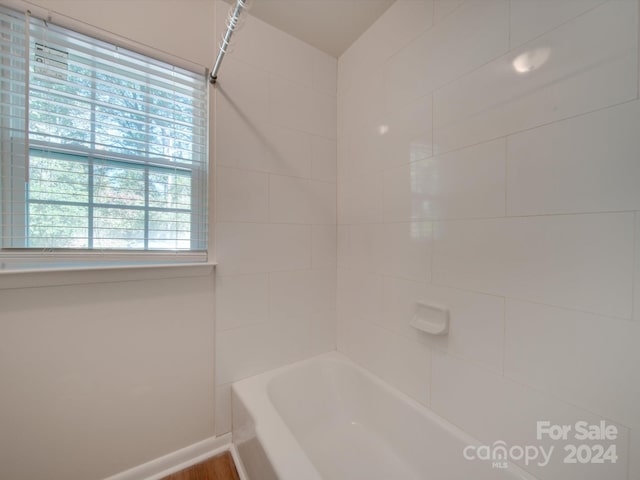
x=275 y=205
x=512 y=198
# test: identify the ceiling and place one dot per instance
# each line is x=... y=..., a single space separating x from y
x=330 y=25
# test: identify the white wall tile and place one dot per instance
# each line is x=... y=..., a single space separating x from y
x=275 y=119
x=408 y=133
x=365 y=106
x=406 y=250
x=323 y=115
x=323 y=246
x=442 y=8
x=247 y=351
x=531 y=18
x=360 y=200
x=636 y=278
x=466 y=183
x=269 y=49
x=343 y=237
x=402 y=22
x=296 y=200
x=589 y=66
x=324 y=162
x=361 y=341
x=364 y=247
x=634 y=455
x=322 y=200
x=247 y=143
x=577 y=261
x=325 y=73
x=405 y=364
x=584 y=359
x=476 y=330
x=469 y=37
x=401 y=362
x=323 y=331
x=289 y=200
x=240 y=141
x=360 y=295
x=367 y=149
x=584 y=164
x=407 y=192
x=254 y=248
x=456 y=79
x=290 y=58
x=297 y=294
x=241 y=196
x=223 y=409
x=493 y=408
x=301 y=108
x=243 y=88
x=233 y=309
x=344 y=168
x=287 y=151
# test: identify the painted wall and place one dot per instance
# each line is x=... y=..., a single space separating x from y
x=276 y=205
x=512 y=198
x=102 y=373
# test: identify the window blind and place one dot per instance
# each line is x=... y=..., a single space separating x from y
x=103 y=149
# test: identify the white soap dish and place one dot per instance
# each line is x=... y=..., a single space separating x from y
x=430 y=318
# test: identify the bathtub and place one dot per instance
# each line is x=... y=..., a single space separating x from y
x=328 y=419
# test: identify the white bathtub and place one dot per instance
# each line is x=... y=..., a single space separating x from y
x=327 y=418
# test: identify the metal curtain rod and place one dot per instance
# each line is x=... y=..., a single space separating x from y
x=232 y=23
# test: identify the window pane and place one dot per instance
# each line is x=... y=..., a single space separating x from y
x=58 y=180
x=118 y=186
x=57 y=226
x=170 y=190
x=109 y=148
x=169 y=231
x=118 y=228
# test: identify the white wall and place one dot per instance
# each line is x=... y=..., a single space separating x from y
x=97 y=378
x=512 y=199
x=276 y=205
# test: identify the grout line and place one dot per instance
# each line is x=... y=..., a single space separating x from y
x=547 y=393
x=509 y=25
x=430 y=381
x=636 y=262
x=504 y=336
x=537 y=302
x=506 y=175
x=544 y=124
x=371 y=172
x=267 y=172
x=432 y=253
x=631 y=430
x=557 y=27
x=470 y=219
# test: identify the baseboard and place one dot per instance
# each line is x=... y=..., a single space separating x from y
x=242 y=473
x=178 y=460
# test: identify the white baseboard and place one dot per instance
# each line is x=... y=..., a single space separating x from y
x=242 y=473
x=178 y=460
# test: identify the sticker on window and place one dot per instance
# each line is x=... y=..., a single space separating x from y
x=51 y=61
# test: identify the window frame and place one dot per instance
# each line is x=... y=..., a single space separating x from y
x=20 y=257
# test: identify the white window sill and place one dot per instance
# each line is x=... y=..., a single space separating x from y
x=100 y=273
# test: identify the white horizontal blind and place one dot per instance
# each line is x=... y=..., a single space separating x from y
x=111 y=154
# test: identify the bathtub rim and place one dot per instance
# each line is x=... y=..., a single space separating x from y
x=285 y=454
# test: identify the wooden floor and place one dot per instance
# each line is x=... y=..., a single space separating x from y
x=216 y=468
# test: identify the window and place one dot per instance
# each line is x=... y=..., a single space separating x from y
x=103 y=150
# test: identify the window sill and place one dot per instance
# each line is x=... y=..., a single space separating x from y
x=100 y=273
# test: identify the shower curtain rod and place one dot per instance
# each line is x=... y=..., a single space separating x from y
x=232 y=23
